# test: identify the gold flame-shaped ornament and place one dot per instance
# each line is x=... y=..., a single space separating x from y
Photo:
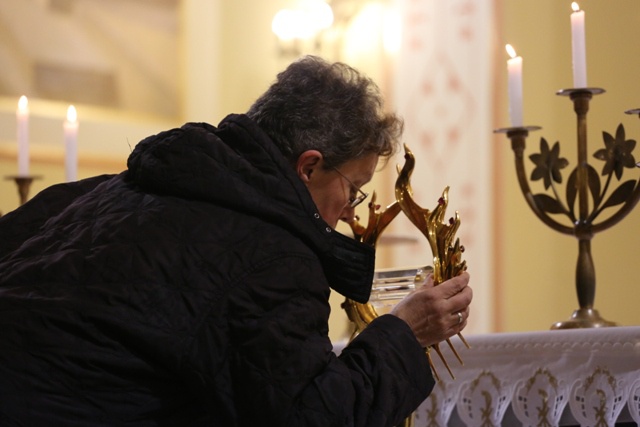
x=447 y=253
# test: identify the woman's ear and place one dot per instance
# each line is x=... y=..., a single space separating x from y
x=308 y=161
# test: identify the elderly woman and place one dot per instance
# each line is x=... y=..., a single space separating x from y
x=192 y=288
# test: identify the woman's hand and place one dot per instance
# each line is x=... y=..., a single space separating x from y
x=435 y=313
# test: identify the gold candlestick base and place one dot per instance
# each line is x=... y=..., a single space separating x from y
x=584 y=318
x=24 y=184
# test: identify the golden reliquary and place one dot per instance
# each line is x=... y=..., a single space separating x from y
x=390 y=286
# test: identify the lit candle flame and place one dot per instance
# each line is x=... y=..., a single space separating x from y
x=511 y=51
x=575 y=6
x=23 y=103
x=72 y=114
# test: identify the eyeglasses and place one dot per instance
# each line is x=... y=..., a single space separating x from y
x=353 y=201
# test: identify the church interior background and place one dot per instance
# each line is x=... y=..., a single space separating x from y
x=136 y=67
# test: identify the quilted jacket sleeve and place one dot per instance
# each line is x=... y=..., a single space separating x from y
x=281 y=365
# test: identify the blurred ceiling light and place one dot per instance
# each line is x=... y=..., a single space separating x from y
x=305 y=21
x=392 y=31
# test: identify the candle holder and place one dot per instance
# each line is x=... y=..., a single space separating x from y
x=583 y=186
x=23 y=182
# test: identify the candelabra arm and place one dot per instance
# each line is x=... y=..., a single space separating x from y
x=621 y=213
x=518 y=136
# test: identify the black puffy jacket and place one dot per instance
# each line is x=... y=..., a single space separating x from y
x=192 y=289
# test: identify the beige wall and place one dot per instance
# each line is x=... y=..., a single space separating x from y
x=535 y=266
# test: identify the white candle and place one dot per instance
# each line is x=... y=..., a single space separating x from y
x=579 y=55
x=514 y=66
x=22 y=119
x=71 y=144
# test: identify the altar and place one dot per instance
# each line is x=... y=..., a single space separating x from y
x=586 y=377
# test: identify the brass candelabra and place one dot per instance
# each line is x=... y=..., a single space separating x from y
x=584 y=190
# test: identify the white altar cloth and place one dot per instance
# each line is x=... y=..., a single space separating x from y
x=586 y=377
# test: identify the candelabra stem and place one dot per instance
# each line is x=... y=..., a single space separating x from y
x=24 y=184
x=581 y=107
x=585 y=316
x=585 y=275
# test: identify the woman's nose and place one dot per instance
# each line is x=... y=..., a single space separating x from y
x=348 y=214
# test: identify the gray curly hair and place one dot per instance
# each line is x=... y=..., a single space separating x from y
x=329 y=107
